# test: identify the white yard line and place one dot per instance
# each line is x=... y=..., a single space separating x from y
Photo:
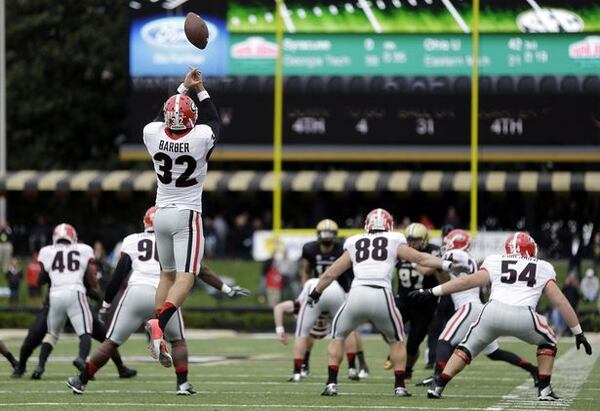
x=287 y=19
x=570 y=373
x=201 y=405
x=457 y=17
x=366 y=8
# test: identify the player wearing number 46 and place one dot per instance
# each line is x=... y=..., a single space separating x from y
x=180 y=142
x=372 y=257
x=67 y=264
x=517 y=280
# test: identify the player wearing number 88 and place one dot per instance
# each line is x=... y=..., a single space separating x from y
x=373 y=257
x=180 y=142
x=517 y=280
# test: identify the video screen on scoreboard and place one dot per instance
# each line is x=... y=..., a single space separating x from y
x=415 y=16
x=157 y=43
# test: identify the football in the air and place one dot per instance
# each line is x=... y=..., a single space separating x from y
x=196 y=30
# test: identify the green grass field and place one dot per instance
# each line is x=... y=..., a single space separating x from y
x=259 y=382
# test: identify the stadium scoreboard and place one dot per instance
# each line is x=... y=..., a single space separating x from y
x=390 y=39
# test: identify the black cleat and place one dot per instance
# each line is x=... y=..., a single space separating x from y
x=546 y=394
x=37 y=374
x=18 y=372
x=435 y=389
x=74 y=383
x=186 y=389
x=125 y=372
x=330 y=390
x=401 y=392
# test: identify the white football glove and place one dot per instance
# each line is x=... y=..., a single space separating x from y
x=237 y=291
x=459 y=262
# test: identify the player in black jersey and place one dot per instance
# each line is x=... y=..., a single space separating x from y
x=410 y=277
x=317 y=256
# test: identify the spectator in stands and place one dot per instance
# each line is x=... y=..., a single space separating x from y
x=32 y=274
x=590 y=285
x=272 y=281
x=6 y=245
x=570 y=291
x=210 y=237
x=452 y=218
x=575 y=253
x=221 y=231
x=14 y=274
x=241 y=236
x=405 y=222
x=596 y=252
x=102 y=265
x=39 y=235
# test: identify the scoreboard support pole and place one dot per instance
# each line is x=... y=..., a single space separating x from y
x=475 y=120
x=278 y=119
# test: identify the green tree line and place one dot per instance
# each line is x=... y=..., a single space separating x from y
x=66 y=82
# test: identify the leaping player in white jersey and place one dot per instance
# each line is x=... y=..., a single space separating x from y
x=180 y=146
x=67 y=264
x=467 y=305
x=517 y=280
x=138 y=256
x=373 y=257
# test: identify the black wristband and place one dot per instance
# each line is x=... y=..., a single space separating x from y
x=315 y=295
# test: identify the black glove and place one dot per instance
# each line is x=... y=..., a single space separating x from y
x=581 y=340
x=237 y=291
x=102 y=313
x=421 y=294
x=313 y=298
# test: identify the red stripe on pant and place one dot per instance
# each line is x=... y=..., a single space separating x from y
x=198 y=244
x=450 y=329
x=395 y=314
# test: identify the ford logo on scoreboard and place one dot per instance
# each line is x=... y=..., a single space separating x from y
x=158 y=48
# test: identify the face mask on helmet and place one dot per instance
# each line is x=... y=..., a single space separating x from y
x=416 y=236
x=379 y=220
x=327 y=231
x=180 y=113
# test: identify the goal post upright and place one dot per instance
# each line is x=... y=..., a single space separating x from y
x=475 y=120
x=278 y=118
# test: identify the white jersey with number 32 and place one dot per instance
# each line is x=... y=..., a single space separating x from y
x=518 y=280
x=66 y=265
x=141 y=248
x=374 y=257
x=180 y=163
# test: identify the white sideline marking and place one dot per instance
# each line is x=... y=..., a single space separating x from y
x=457 y=17
x=571 y=371
x=200 y=405
x=233 y=393
x=366 y=8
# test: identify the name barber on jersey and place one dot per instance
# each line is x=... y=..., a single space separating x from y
x=174 y=147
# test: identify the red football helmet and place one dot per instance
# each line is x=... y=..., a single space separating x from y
x=149 y=218
x=380 y=220
x=521 y=243
x=180 y=112
x=64 y=232
x=457 y=240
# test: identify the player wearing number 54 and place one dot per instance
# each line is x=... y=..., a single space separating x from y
x=180 y=141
